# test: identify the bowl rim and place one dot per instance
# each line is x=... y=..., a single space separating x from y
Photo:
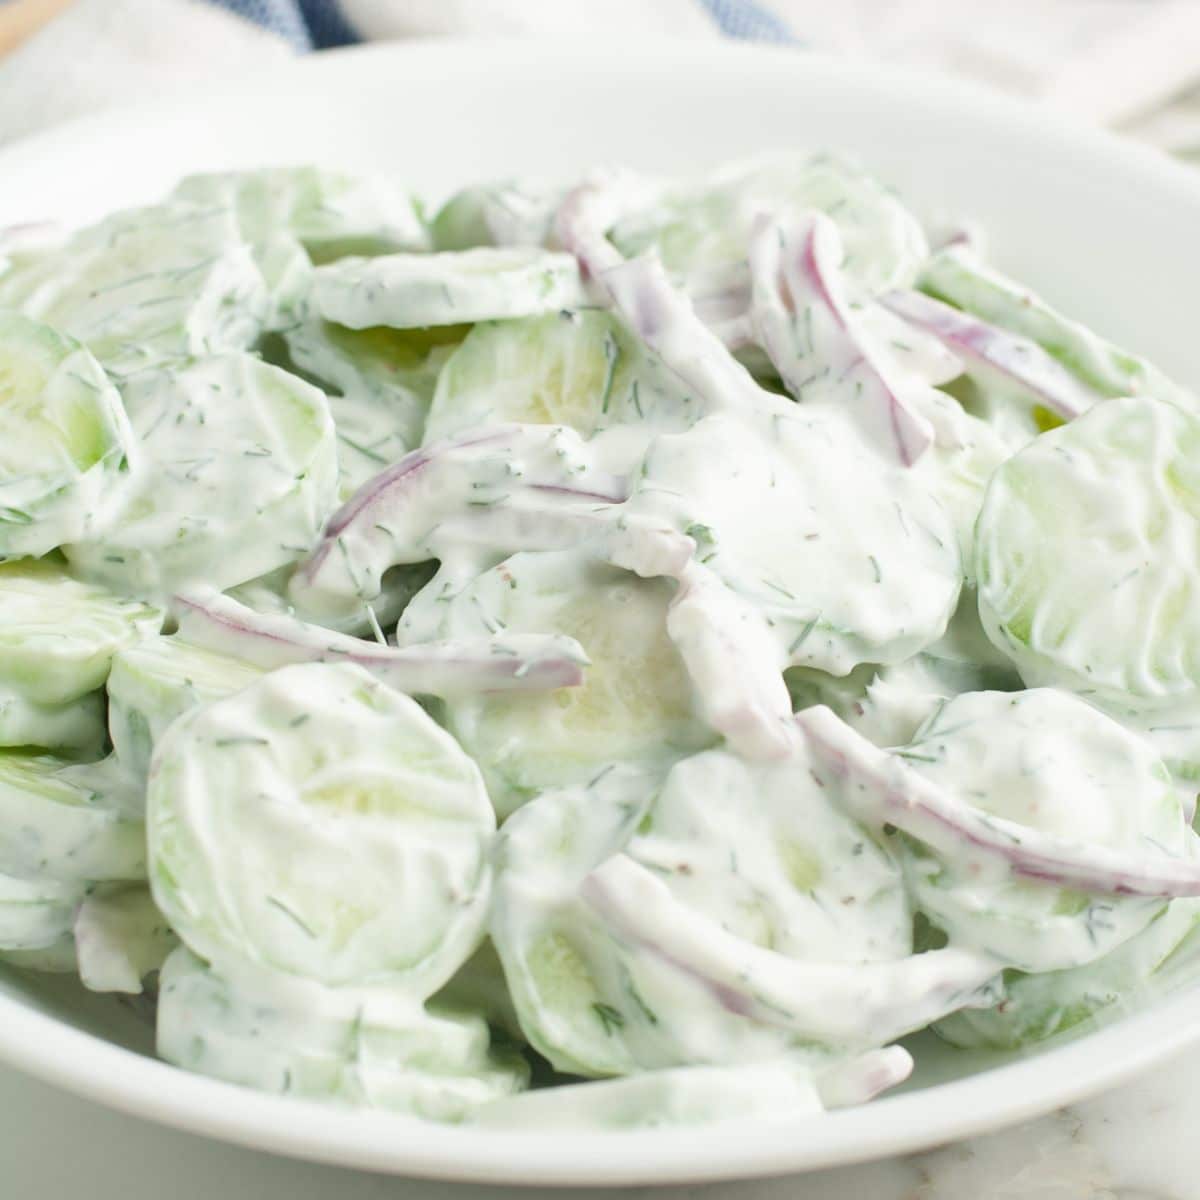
x=90 y=1066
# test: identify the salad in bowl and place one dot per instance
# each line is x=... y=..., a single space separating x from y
x=610 y=653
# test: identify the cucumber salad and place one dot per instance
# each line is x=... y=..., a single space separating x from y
x=602 y=654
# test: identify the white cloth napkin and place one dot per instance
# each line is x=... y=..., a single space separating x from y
x=1134 y=64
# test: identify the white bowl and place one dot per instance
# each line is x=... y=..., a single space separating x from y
x=1105 y=228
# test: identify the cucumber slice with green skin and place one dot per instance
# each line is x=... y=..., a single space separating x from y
x=494 y=663
x=995 y=354
x=479 y=986
x=846 y=1006
x=58 y=636
x=238 y=473
x=790 y=873
x=64 y=438
x=330 y=212
x=1037 y=1007
x=148 y=287
x=412 y=291
x=1048 y=761
x=635 y=703
x=699 y=228
x=320 y=824
x=1088 y=566
x=957 y=276
x=37 y=914
x=120 y=939
x=598 y=996
x=833 y=351
x=965 y=454
x=583 y=370
x=363 y=1046
x=73 y=822
x=158 y=680
x=58 y=958
x=287 y=272
x=508 y=213
x=776 y=456
x=889 y=704
x=77 y=726
x=379 y=383
x=576 y=1002
x=838 y=582
x=882 y=789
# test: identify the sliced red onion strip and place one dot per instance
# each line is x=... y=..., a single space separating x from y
x=793 y=268
x=506 y=662
x=842 y=1004
x=881 y=789
x=733 y=663
x=659 y=313
x=1019 y=360
x=513 y=486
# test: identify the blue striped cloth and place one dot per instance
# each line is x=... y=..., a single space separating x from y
x=320 y=24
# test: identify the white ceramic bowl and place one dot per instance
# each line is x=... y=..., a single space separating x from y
x=1106 y=229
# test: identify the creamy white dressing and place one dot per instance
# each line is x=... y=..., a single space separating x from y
x=1088 y=558
x=320 y=824
x=120 y=939
x=238 y=475
x=610 y=462
x=414 y=291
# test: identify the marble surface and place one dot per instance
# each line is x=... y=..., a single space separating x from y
x=1140 y=1143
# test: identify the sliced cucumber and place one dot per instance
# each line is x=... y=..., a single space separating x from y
x=1088 y=562
x=148 y=287
x=965 y=454
x=120 y=939
x=576 y=1004
x=1037 y=1007
x=158 y=680
x=1047 y=761
x=790 y=872
x=579 y=369
x=58 y=958
x=635 y=703
x=413 y=291
x=847 y=558
x=320 y=824
x=77 y=726
x=759 y=953
x=479 y=986
x=379 y=383
x=702 y=228
x=889 y=704
x=238 y=473
x=74 y=822
x=64 y=438
x=58 y=635
x=509 y=213
x=37 y=914
x=330 y=212
x=957 y=276
x=364 y=1046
